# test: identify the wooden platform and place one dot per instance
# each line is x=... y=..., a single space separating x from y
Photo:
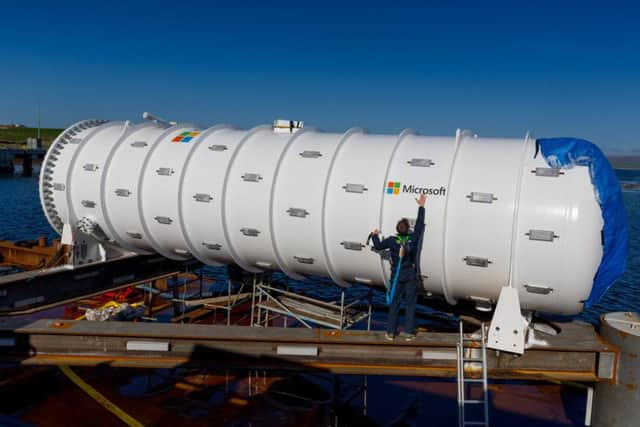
x=576 y=354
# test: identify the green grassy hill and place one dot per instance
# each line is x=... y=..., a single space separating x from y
x=20 y=135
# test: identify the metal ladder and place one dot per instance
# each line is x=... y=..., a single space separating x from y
x=464 y=403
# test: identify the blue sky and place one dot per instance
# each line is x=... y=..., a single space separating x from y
x=555 y=68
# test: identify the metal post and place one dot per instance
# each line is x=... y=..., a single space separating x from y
x=460 y=384
x=176 y=295
x=370 y=303
x=253 y=301
x=342 y=310
x=151 y=295
x=615 y=403
x=266 y=318
x=260 y=292
x=587 y=413
x=485 y=387
x=286 y=281
x=228 y=302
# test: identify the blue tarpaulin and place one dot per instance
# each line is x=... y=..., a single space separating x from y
x=569 y=152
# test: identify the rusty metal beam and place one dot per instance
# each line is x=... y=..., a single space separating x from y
x=31 y=291
x=28 y=255
x=570 y=356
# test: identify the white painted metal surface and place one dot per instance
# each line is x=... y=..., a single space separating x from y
x=302 y=201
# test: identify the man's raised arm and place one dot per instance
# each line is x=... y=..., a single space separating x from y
x=418 y=229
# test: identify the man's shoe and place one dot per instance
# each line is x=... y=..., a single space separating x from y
x=389 y=337
x=409 y=337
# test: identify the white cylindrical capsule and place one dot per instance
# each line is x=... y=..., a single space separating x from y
x=303 y=201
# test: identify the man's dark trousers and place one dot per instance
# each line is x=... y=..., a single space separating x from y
x=407 y=290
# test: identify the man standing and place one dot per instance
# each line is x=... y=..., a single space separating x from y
x=404 y=249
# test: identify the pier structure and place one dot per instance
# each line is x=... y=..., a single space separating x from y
x=577 y=353
x=21 y=162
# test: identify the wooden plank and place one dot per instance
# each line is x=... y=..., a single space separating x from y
x=220 y=300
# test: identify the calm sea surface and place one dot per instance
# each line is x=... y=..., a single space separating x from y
x=22 y=218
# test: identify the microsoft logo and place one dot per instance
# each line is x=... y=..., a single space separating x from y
x=185 y=137
x=393 y=187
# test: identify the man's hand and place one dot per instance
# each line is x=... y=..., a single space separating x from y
x=376 y=231
x=421 y=200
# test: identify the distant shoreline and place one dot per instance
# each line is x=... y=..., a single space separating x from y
x=625 y=162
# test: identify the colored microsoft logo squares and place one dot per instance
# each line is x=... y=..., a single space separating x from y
x=185 y=137
x=393 y=187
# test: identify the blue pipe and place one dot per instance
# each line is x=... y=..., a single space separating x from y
x=394 y=282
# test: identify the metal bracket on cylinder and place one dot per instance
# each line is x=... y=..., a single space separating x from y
x=163 y=220
x=297 y=212
x=90 y=167
x=252 y=177
x=202 y=197
x=139 y=144
x=549 y=172
x=508 y=326
x=212 y=246
x=304 y=260
x=541 y=235
x=352 y=246
x=354 y=188
x=481 y=197
x=310 y=154
x=122 y=192
x=482 y=303
x=475 y=261
x=250 y=232
x=538 y=289
x=422 y=163
x=218 y=147
x=165 y=171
